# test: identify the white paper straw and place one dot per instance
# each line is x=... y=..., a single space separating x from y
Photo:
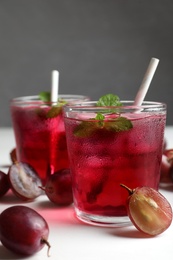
x=146 y=81
x=55 y=86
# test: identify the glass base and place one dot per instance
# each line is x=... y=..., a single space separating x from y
x=104 y=221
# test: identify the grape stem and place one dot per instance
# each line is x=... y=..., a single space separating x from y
x=44 y=241
x=170 y=159
x=42 y=188
x=131 y=191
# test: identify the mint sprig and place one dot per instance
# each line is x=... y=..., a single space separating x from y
x=55 y=110
x=109 y=100
x=44 y=96
x=85 y=129
x=117 y=124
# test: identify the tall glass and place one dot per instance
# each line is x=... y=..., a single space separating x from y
x=123 y=147
x=40 y=134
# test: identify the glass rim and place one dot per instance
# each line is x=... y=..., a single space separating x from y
x=126 y=104
x=34 y=99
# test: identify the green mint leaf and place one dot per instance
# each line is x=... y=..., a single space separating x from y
x=118 y=125
x=54 y=111
x=99 y=116
x=61 y=102
x=85 y=129
x=109 y=100
x=45 y=96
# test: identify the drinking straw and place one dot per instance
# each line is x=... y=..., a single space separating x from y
x=146 y=81
x=54 y=86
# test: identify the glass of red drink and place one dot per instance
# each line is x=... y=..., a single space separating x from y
x=109 y=146
x=40 y=134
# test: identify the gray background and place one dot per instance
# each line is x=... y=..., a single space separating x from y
x=98 y=46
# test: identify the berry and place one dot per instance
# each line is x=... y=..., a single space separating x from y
x=58 y=187
x=24 y=181
x=149 y=210
x=23 y=230
x=166 y=173
x=4 y=183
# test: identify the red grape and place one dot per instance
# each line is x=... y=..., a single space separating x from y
x=148 y=210
x=24 y=181
x=4 y=183
x=58 y=187
x=23 y=230
x=166 y=166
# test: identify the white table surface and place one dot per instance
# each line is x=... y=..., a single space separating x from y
x=72 y=240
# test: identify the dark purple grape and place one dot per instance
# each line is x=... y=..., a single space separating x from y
x=23 y=230
x=24 y=181
x=58 y=187
x=166 y=170
x=4 y=183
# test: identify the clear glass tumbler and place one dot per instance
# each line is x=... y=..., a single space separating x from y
x=40 y=133
x=109 y=146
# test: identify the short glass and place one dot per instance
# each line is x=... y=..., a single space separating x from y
x=123 y=148
x=40 y=134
